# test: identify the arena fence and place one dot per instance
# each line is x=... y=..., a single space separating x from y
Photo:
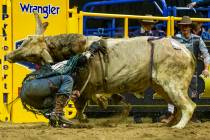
x=76 y=20
x=81 y=16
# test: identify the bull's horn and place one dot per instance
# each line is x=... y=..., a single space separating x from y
x=40 y=28
x=46 y=56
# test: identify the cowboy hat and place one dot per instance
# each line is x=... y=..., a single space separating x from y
x=148 y=21
x=185 y=21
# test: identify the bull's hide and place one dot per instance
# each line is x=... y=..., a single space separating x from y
x=129 y=69
x=129 y=63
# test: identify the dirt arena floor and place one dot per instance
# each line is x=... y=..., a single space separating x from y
x=103 y=130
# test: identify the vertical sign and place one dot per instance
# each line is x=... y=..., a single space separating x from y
x=6 y=67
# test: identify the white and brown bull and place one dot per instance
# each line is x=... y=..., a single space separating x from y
x=134 y=64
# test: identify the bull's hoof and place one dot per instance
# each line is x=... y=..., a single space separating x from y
x=82 y=118
x=178 y=126
x=102 y=102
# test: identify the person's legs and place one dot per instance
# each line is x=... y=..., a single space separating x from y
x=36 y=93
x=193 y=93
x=169 y=115
x=171 y=108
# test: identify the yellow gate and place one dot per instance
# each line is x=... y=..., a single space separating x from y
x=17 y=22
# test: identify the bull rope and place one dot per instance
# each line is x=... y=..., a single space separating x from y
x=86 y=82
x=149 y=40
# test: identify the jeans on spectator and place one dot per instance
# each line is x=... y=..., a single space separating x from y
x=192 y=91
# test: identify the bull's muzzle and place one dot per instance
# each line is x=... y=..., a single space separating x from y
x=8 y=58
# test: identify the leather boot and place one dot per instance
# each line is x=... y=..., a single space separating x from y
x=58 y=114
x=167 y=118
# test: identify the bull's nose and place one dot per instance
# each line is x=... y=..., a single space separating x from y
x=6 y=58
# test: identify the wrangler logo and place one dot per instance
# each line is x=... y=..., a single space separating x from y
x=47 y=10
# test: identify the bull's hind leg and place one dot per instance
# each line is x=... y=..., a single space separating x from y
x=186 y=107
x=159 y=90
x=178 y=95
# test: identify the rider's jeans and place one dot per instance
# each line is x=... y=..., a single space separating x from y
x=38 y=89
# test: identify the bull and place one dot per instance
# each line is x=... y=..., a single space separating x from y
x=133 y=65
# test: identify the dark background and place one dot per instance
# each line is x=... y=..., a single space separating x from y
x=132 y=8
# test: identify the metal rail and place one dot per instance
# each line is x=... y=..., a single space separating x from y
x=125 y=17
x=91 y=5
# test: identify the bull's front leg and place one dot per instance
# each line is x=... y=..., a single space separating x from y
x=80 y=105
x=101 y=100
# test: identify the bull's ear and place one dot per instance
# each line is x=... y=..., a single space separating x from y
x=39 y=27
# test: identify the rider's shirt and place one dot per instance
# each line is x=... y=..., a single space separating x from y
x=61 y=68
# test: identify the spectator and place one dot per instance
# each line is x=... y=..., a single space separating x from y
x=147 y=28
x=197 y=29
